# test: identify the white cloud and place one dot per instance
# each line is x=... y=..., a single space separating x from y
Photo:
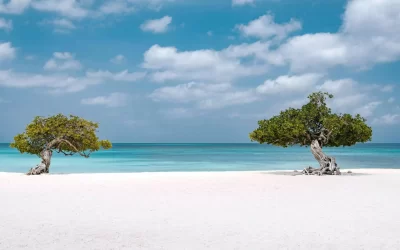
x=68 y=8
x=287 y=84
x=118 y=59
x=388 y=119
x=157 y=25
x=14 y=6
x=368 y=109
x=63 y=83
x=113 y=100
x=382 y=21
x=364 y=39
x=64 y=23
x=62 y=61
x=391 y=100
x=340 y=86
x=265 y=27
x=234 y=97
x=61 y=25
x=349 y=95
x=124 y=76
x=63 y=55
x=7 y=52
x=6 y=24
x=167 y=63
x=387 y=88
x=205 y=96
x=116 y=7
x=78 y=9
x=242 y=2
x=188 y=92
x=57 y=83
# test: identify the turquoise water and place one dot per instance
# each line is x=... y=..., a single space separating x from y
x=130 y=157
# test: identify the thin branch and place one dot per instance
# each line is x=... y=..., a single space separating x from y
x=61 y=140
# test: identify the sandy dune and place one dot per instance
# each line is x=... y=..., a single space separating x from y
x=225 y=210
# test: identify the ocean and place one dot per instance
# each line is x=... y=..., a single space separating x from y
x=165 y=157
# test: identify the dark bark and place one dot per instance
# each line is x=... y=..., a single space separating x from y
x=327 y=164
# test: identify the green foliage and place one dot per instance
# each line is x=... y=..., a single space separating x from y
x=68 y=135
x=313 y=121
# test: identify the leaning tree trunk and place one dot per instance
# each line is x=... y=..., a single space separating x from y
x=327 y=164
x=44 y=166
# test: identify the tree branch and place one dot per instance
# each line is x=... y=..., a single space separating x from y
x=61 y=141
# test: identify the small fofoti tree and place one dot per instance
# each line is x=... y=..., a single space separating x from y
x=314 y=125
x=67 y=135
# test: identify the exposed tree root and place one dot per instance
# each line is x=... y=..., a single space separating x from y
x=327 y=164
x=39 y=169
x=43 y=167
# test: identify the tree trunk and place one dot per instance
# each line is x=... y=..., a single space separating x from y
x=44 y=166
x=327 y=164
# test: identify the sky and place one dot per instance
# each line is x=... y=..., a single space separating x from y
x=196 y=70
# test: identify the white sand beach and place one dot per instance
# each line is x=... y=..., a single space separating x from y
x=221 y=210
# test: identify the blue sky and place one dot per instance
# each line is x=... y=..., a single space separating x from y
x=196 y=71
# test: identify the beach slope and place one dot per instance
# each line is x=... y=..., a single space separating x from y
x=221 y=210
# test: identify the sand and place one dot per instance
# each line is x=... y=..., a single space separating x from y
x=223 y=210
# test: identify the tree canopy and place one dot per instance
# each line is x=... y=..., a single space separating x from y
x=313 y=121
x=67 y=135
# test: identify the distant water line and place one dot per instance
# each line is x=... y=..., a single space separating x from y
x=169 y=157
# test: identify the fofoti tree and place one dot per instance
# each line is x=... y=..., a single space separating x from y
x=66 y=135
x=314 y=125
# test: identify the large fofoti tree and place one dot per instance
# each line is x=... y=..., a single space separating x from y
x=316 y=126
x=67 y=135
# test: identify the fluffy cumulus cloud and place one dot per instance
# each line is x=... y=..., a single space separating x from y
x=205 y=79
x=116 y=7
x=265 y=27
x=7 y=51
x=388 y=119
x=364 y=39
x=205 y=96
x=6 y=24
x=78 y=9
x=113 y=100
x=14 y=6
x=349 y=95
x=68 y=8
x=60 y=25
x=56 y=83
x=62 y=61
x=285 y=84
x=61 y=83
x=123 y=76
x=167 y=63
x=157 y=25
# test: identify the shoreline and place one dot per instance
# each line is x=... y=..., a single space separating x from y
x=276 y=172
